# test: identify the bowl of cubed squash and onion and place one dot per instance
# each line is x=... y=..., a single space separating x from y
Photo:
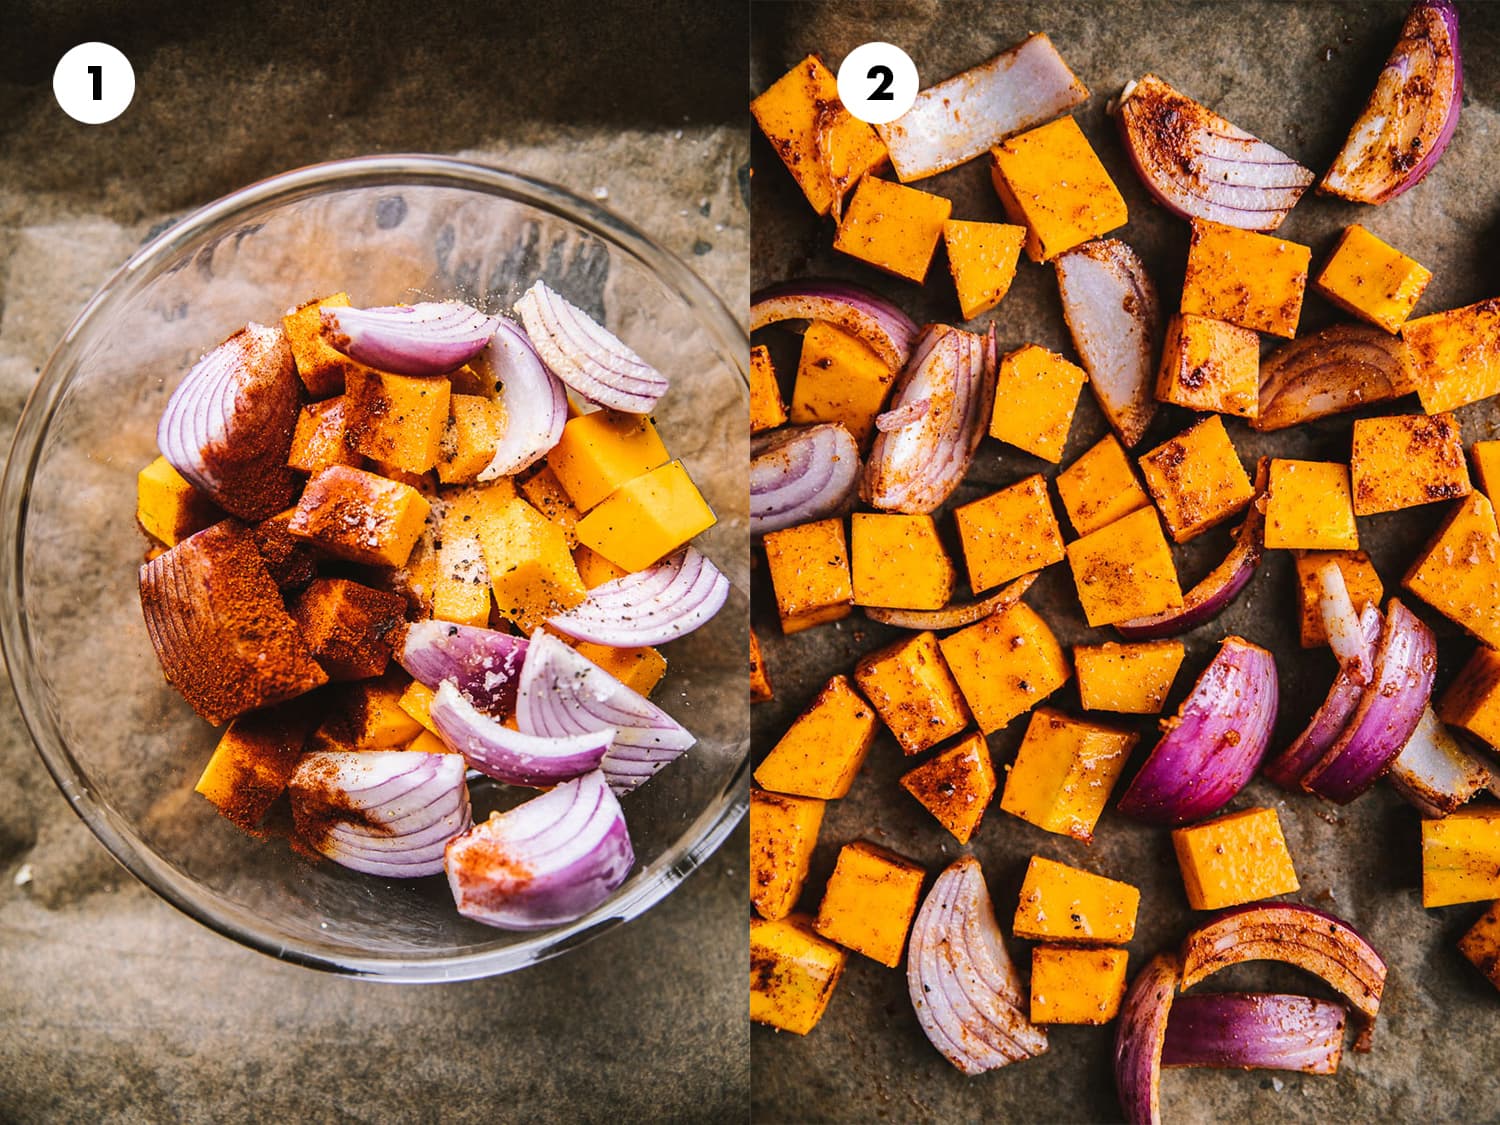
x=377 y=568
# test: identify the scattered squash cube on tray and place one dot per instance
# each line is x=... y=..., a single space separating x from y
x=1079 y=986
x=1309 y=507
x=793 y=973
x=1050 y=181
x=1036 y=393
x=893 y=227
x=1064 y=772
x=1405 y=460
x=1196 y=479
x=1133 y=679
x=955 y=785
x=1461 y=857
x=1062 y=903
x=1360 y=578
x=1453 y=357
x=647 y=518
x=767 y=411
x=1100 y=487
x=1253 y=280
x=870 y=900
x=810 y=574
x=910 y=687
x=1008 y=533
x=1472 y=700
x=982 y=258
x=783 y=833
x=1005 y=664
x=839 y=379
x=1481 y=944
x=823 y=749
x=1125 y=570
x=898 y=561
x=1372 y=280
x=1458 y=572
x=1233 y=859
x=1210 y=365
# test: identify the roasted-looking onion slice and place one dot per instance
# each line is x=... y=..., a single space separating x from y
x=651 y=606
x=884 y=328
x=1256 y=1031
x=966 y=992
x=801 y=474
x=1436 y=773
x=586 y=356
x=1336 y=369
x=954 y=616
x=535 y=404
x=1139 y=1037
x=484 y=664
x=424 y=339
x=509 y=755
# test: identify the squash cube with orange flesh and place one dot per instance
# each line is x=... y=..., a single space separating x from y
x=893 y=227
x=1100 y=487
x=638 y=668
x=1458 y=573
x=955 y=785
x=594 y=568
x=253 y=762
x=1064 y=772
x=416 y=701
x=168 y=507
x=359 y=516
x=1129 y=678
x=1453 y=357
x=1372 y=279
x=1005 y=665
x=760 y=679
x=1009 y=533
x=1050 y=181
x=599 y=452
x=1481 y=944
x=397 y=420
x=821 y=752
x=321 y=365
x=1196 y=479
x=1472 y=701
x=292 y=562
x=474 y=428
x=839 y=379
x=1210 y=365
x=545 y=493
x=1125 y=570
x=318 y=441
x=1405 y=460
x=870 y=900
x=909 y=684
x=1233 y=859
x=810 y=574
x=793 y=973
x=982 y=258
x=368 y=716
x=1461 y=857
x=767 y=411
x=1487 y=466
x=647 y=518
x=1309 y=507
x=531 y=572
x=783 y=833
x=1062 y=903
x=898 y=561
x=461 y=584
x=1364 y=585
x=427 y=743
x=1253 y=280
x=348 y=625
x=1035 y=396
x=1076 y=986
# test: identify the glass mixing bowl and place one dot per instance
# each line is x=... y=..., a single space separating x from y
x=125 y=748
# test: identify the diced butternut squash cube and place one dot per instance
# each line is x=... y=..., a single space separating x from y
x=1064 y=772
x=1035 y=396
x=321 y=365
x=599 y=452
x=1406 y=460
x=1232 y=859
x=1481 y=944
x=982 y=258
x=1453 y=357
x=818 y=140
x=318 y=441
x=475 y=426
x=760 y=679
x=1071 y=985
x=810 y=574
x=1210 y=365
x=1461 y=857
x=1005 y=665
x=1134 y=679
x=1051 y=182
x=1364 y=585
x=1196 y=479
x=531 y=571
x=291 y=562
x=1100 y=487
x=899 y=562
x=1458 y=573
x=955 y=786
x=1253 y=280
x=821 y=752
x=646 y=519
x=783 y=833
x=839 y=379
x=461 y=582
x=428 y=743
x=1472 y=701
x=545 y=493
x=348 y=626
x=416 y=701
x=368 y=716
x=397 y=420
x=1062 y=903
x=869 y=902
x=1309 y=507
x=1009 y=533
x=893 y=227
x=168 y=507
x=594 y=568
x=1372 y=279
x=1487 y=466
x=793 y=973
x=909 y=684
x=1125 y=570
x=359 y=516
x=767 y=411
x=253 y=762
x=639 y=668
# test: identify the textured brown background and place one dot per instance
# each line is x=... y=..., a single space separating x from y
x=1295 y=74
x=115 y=1007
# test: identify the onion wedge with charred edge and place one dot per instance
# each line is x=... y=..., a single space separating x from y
x=1139 y=1038
x=954 y=616
x=800 y=474
x=1114 y=317
x=1199 y=166
x=1334 y=370
x=963 y=985
x=1437 y=773
x=1320 y=943
x=1256 y=1031
x=885 y=329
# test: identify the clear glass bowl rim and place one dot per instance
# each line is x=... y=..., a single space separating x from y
x=113 y=830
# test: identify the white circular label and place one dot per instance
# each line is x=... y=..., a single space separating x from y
x=93 y=83
x=877 y=82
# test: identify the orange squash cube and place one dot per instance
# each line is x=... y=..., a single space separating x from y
x=1125 y=570
x=1210 y=365
x=1051 y=182
x=594 y=568
x=1233 y=859
x=839 y=379
x=474 y=428
x=1487 y=466
x=1253 y=280
x=347 y=626
x=318 y=441
x=909 y=685
x=899 y=562
x=793 y=973
x=783 y=833
x=767 y=411
x=1458 y=573
x=760 y=679
x=253 y=762
x=1005 y=665
x=982 y=258
x=368 y=716
x=1009 y=533
x=1406 y=460
x=810 y=574
x=531 y=571
x=1077 y=986
x=599 y=452
x=646 y=519
x=168 y=507
x=1035 y=396
x=397 y=420
x=893 y=227
x=361 y=517
x=1461 y=857
x=1453 y=357
x=1363 y=583
x=1372 y=279
x=1196 y=479
x=544 y=492
x=1472 y=701
x=1100 y=487
x=639 y=668
x=870 y=901
x=1309 y=507
x=1481 y=944
x=1134 y=679
x=321 y=366
x=821 y=752
x=461 y=583
x=1062 y=903
x=955 y=785
x=1064 y=772
x=416 y=701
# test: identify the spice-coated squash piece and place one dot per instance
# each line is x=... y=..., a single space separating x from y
x=168 y=507
x=893 y=227
x=427 y=743
x=292 y=562
x=810 y=574
x=839 y=379
x=321 y=365
x=531 y=571
x=1472 y=701
x=1005 y=664
x=1035 y=396
x=368 y=715
x=461 y=582
x=1372 y=279
x=1071 y=985
x=1196 y=479
x=1253 y=280
x=793 y=973
x=545 y=493
x=348 y=626
x=1241 y=857
x=1363 y=583
x=594 y=568
x=1458 y=573
x=982 y=258
x=475 y=426
x=1051 y=182
x=869 y=901
x=254 y=760
x=1125 y=570
x=600 y=451
x=1210 y=365
x=783 y=833
x=821 y=752
x=1062 y=903
x=1453 y=357
x=639 y=667
x=909 y=684
x=359 y=516
x=1009 y=533
x=319 y=438
x=646 y=519
x=1309 y=507
x=1100 y=487
x=899 y=562
x=416 y=701
x=760 y=681
x=1064 y=772
x=1481 y=945
x=955 y=785
x=1405 y=460
x=1129 y=678
x=397 y=420
x=767 y=411
x=1461 y=857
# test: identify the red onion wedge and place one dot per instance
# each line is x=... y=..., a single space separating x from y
x=429 y=338
x=1256 y=1031
x=1320 y=943
x=1334 y=370
x=884 y=328
x=535 y=404
x=1215 y=744
x=563 y=693
x=1220 y=586
x=963 y=985
x=1114 y=317
x=380 y=812
x=586 y=356
x=1437 y=773
x=483 y=664
x=543 y=863
x=954 y=616
x=1341 y=622
x=228 y=426
x=963 y=117
x=651 y=606
x=1199 y=166
x=509 y=755
x=1140 y=1035
x=915 y=467
x=1411 y=115
x=1387 y=713
x=801 y=474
